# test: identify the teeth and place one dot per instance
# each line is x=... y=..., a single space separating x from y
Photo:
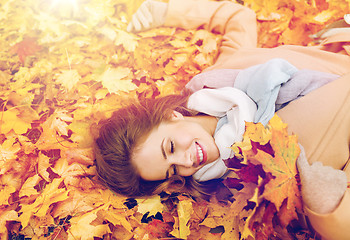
x=200 y=154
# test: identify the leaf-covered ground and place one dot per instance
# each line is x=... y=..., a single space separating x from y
x=65 y=65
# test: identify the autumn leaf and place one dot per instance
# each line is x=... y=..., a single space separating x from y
x=82 y=227
x=158 y=229
x=27 y=47
x=6 y=216
x=117 y=218
x=5 y=194
x=51 y=194
x=10 y=121
x=117 y=79
x=68 y=78
x=150 y=204
x=184 y=211
x=283 y=168
x=127 y=40
x=8 y=151
x=84 y=156
x=28 y=188
x=268 y=162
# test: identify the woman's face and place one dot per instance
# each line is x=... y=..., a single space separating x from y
x=181 y=146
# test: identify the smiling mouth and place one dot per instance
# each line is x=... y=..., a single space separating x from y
x=201 y=154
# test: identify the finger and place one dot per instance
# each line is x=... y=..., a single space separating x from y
x=129 y=27
x=302 y=163
x=318 y=165
x=136 y=23
x=145 y=8
x=143 y=20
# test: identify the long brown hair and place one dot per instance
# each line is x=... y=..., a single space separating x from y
x=120 y=134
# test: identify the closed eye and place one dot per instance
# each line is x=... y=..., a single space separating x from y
x=175 y=170
x=172 y=147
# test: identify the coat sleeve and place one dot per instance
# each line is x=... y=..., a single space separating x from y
x=335 y=225
x=321 y=119
x=235 y=22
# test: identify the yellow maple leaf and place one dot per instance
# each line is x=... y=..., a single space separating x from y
x=27 y=188
x=51 y=194
x=8 y=151
x=127 y=40
x=324 y=16
x=68 y=78
x=79 y=202
x=81 y=133
x=247 y=232
x=117 y=79
x=5 y=194
x=168 y=86
x=257 y=132
x=282 y=164
x=83 y=156
x=9 y=120
x=82 y=229
x=43 y=165
x=283 y=167
x=117 y=217
x=184 y=211
x=55 y=126
x=150 y=204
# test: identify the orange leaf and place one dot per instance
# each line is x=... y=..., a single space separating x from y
x=25 y=48
x=283 y=168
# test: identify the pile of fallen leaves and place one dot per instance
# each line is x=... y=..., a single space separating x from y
x=65 y=65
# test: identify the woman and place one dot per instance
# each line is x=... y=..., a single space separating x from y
x=172 y=138
x=320 y=119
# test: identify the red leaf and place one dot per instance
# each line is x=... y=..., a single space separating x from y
x=250 y=173
x=262 y=222
x=266 y=148
x=233 y=183
x=25 y=48
x=158 y=229
x=234 y=162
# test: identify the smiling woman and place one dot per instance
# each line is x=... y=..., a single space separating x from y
x=178 y=147
x=176 y=140
x=154 y=141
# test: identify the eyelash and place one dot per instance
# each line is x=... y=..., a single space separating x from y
x=175 y=171
x=171 y=147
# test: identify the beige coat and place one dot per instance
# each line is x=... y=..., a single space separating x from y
x=321 y=119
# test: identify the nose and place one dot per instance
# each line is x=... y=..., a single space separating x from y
x=182 y=159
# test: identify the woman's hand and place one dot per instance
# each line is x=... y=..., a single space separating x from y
x=150 y=14
x=322 y=187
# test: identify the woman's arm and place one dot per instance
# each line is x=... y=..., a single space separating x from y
x=334 y=225
x=321 y=119
x=235 y=22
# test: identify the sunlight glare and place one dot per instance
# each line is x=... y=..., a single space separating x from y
x=67 y=4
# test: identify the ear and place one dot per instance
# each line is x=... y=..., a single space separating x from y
x=176 y=115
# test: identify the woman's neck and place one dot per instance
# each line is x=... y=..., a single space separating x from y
x=207 y=122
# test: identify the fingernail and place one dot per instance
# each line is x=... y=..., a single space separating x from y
x=129 y=27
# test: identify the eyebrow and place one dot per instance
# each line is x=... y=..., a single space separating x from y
x=162 y=148
x=165 y=157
